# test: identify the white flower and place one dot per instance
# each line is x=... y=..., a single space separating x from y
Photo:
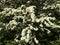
x=55 y=26
x=29 y=31
x=36 y=29
x=0 y=29
x=18 y=17
x=14 y=10
x=16 y=40
x=23 y=34
x=44 y=7
x=27 y=40
x=53 y=6
x=41 y=25
x=9 y=13
x=26 y=28
x=30 y=26
x=46 y=24
x=11 y=25
x=37 y=20
x=51 y=18
x=30 y=9
x=7 y=9
x=42 y=19
x=3 y=12
x=50 y=22
x=23 y=38
x=36 y=41
x=23 y=6
x=48 y=31
x=58 y=6
x=13 y=22
x=28 y=36
x=33 y=17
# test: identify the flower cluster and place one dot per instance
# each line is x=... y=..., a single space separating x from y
x=22 y=24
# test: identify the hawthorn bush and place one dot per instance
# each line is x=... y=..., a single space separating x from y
x=36 y=24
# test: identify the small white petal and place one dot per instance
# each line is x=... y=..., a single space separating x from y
x=28 y=36
x=36 y=41
x=0 y=29
x=35 y=29
x=41 y=25
x=29 y=31
x=23 y=38
x=27 y=40
x=16 y=40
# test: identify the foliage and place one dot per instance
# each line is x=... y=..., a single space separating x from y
x=19 y=25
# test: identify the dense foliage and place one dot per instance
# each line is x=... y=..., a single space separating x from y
x=37 y=23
